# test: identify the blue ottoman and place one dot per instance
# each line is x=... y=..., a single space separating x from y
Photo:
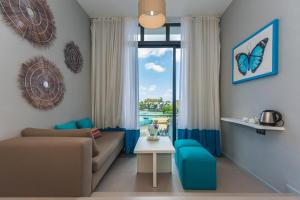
x=184 y=143
x=197 y=168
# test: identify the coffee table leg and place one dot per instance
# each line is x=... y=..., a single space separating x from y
x=154 y=170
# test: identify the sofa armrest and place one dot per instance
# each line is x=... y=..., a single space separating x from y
x=46 y=166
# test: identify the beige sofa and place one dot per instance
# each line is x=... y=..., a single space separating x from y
x=56 y=166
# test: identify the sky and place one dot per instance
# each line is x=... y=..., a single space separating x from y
x=156 y=73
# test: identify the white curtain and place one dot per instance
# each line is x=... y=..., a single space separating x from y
x=130 y=76
x=106 y=73
x=114 y=72
x=199 y=77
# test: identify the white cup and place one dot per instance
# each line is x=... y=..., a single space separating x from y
x=245 y=119
x=252 y=120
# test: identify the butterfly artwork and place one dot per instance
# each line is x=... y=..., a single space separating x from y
x=252 y=61
x=259 y=61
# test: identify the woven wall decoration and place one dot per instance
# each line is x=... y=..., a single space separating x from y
x=73 y=57
x=31 y=19
x=41 y=83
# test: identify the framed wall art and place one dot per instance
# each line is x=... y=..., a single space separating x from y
x=31 y=19
x=73 y=57
x=41 y=83
x=257 y=56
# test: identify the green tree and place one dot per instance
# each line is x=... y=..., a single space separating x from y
x=167 y=108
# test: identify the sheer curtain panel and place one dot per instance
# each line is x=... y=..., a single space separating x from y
x=107 y=71
x=114 y=76
x=199 y=115
x=130 y=116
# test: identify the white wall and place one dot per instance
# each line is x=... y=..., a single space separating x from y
x=275 y=158
x=15 y=113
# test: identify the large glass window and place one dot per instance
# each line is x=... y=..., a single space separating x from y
x=156 y=90
x=159 y=71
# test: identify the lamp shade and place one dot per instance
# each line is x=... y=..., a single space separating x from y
x=152 y=13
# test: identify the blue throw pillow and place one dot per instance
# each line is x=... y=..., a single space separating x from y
x=66 y=126
x=85 y=123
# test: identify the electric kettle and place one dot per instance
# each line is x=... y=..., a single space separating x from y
x=270 y=118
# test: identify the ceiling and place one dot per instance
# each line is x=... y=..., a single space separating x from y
x=175 y=8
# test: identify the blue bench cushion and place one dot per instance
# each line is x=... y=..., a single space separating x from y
x=184 y=143
x=197 y=168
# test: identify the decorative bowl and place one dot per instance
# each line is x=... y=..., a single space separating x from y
x=153 y=138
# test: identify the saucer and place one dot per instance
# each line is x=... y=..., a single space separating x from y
x=153 y=138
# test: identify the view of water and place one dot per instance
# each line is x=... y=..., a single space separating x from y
x=164 y=122
x=147 y=116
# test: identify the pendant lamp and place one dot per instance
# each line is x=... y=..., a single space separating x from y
x=152 y=13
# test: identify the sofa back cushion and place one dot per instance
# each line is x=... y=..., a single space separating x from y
x=85 y=123
x=34 y=132
x=66 y=126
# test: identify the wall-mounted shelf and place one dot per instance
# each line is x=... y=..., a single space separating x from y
x=259 y=128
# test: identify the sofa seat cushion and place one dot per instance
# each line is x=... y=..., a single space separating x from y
x=107 y=143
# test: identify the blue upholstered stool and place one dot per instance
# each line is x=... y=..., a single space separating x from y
x=197 y=168
x=184 y=143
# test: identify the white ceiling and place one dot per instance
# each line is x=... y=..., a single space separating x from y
x=175 y=8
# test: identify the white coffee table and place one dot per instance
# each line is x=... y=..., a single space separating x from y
x=154 y=156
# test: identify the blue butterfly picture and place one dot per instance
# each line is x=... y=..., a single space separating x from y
x=260 y=61
x=252 y=61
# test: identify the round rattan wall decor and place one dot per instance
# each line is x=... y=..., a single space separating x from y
x=73 y=57
x=31 y=19
x=41 y=83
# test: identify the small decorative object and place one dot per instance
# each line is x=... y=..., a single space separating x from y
x=252 y=120
x=152 y=13
x=153 y=138
x=245 y=119
x=31 y=19
x=96 y=133
x=41 y=83
x=73 y=57
x=257 y=56
x=256 y=119
x=153 y=131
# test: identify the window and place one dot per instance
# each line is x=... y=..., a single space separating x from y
x=167 y=36
x=159 y=58
x=155 y=34
x=175 y=33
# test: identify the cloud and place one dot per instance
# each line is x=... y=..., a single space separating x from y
x=157 y=52
x=144 y=90
x=152 y=88
x=168 y=94
x=154 y=67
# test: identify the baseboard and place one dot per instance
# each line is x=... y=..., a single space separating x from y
x=242 y=167
x=292 y=190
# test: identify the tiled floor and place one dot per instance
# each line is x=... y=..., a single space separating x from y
x=122 y=177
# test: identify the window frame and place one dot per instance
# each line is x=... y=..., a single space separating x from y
x=161 y=44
